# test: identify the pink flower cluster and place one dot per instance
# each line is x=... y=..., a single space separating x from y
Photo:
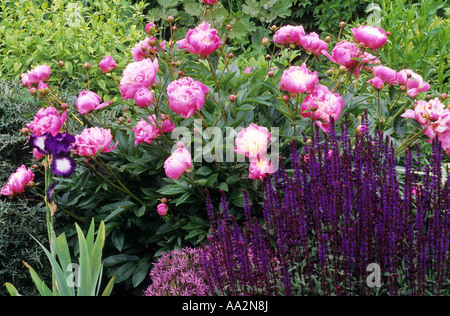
x=147 y=47
x=253 y=142
x=18 y=181
x=137 y=75
x=92 y=141
x=295 y=35
x=47 y=120
x=297 y=80
x=36 y=78
x=146 y=133
x=435 y=117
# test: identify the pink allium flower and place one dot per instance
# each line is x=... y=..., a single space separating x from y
x=342 y=54
x=107 y=64
x=413 y=81
x=162 y=209
x=289 y=34
x=376 y=83
x=143 y=97
x=88 y=101
x=313 y=44
x=47 y=120
x=321 y=105
x=136 y=75
x=298 y=79
x=253 y=141
x=186 y=96
x=370 y=36
x=386 y=74
x=18 y=181
x=259 y=168
x=210 y=2
x=92 y=141
x=144 y=48
x=179 y=162
x=203 y=40
x=145 y=132
x=40 y=73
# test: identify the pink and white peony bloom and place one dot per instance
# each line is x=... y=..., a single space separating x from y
x=18 y=181
x=259 y=168
x=186 y=96
x=47 y=120
x=179 y=162
x=40 y=73
x=289 y=34
x=313 y=44
x=253 y=141
x=92 y=141
x=298 y=80
x=136 y=75
x=146 y=133
x=88 y=101
x=107 y=64
x=321 y=105
x=370 y=36
x=202 y=40
x=376 y=83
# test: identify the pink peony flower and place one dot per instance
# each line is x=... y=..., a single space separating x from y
x=162 y=209
x=298 y=79
x=107 y=64
x=412 y=81
x=92 y=141
x=259 y=168
x=179 y=162
x=37 y=154
x=40 y=73
x=376 y=83
x=47 y=120
x=136 y=75
x=342 y=54
x=186 y=96
x=43 y=88
x=88 y=101
x=145 y=132
x=25 y=81
x=313 y=44
x=321 y=105
x=203 y=40
x=210 y=2
x=150 y=27
x=386 y=74
x=18 y=181
x=289 y=34
x=145 y=47
x=370 y=36
x=253 y=141
x=143 y=97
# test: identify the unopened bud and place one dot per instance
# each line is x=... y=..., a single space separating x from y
x=265 y=41
x=285 y=98
x=232 y=98
x=64 y=106
x=228 y=27
x=327 y=39
x=270 y=74
x=25 y=131
x=61 y=63
x=443 y=96
x=170 y=18
x=342 y=24
x=87 y=66
x=342 y=69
